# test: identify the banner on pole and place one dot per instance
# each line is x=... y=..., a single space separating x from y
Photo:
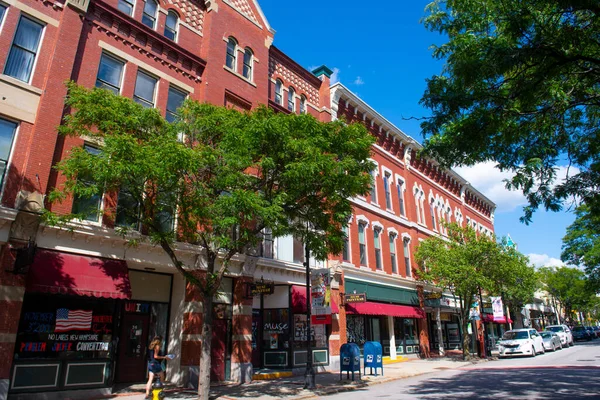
x=320 y=296
x=497 y=308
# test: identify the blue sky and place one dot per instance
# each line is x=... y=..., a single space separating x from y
x=381 y=52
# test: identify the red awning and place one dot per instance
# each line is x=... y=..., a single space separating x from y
x=490 y=318
x=394 y=310
x=299 y=301
x=63 y=273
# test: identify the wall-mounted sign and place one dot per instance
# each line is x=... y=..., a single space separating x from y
x=433 y=295
x=355 y=298
x=262 y=288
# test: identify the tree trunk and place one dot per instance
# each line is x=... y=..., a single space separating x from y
x=205 y=357
x=466 y=338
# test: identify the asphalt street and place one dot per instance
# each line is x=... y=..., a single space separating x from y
x=571 y=373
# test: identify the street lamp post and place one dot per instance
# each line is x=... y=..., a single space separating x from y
x=309 y=374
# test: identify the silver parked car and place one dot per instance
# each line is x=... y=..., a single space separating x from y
x=551 y=340
x=565 y=334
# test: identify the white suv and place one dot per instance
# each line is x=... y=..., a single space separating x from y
x=521 y=342
x=563 y=331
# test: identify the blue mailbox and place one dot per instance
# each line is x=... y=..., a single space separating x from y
x=373 y=357
x=350 y=359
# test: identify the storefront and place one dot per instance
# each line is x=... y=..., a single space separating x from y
x=280 y=330
x=363 y=328
x=451 y=332
x=494 y=329
x=86 y=323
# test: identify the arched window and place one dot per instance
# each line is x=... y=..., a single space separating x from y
x=291 y=99
x=303 y=104
x=247 y=71
x=279 y=92
x=171 y=25
x=230 y=60
x=406 y=245
x=149 y=16
x=432 y=210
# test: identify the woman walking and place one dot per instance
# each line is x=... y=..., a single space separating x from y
x=154 y=363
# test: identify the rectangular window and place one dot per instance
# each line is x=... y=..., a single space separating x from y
x=267 y=244
x=374 y=186
x=388 y=194
x=2 y=12
x=110 y=73
x=361 y=243
x=126 y=6
x=392 y=238
x=400 y=189
x=377 y=246
x=149 y=15
x=7 y=134
x=175 y=100
x=145 y=86
x=24 y=50
x=128 y=210
x=88 y=207
x=165 y=215
x=298 y=251
x=346 y=245
x=406 y=243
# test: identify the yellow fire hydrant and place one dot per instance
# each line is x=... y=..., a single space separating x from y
x=157 y=390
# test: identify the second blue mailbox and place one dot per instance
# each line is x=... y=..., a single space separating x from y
x=349 y=360
x=373 y=357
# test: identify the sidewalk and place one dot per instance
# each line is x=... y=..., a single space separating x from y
x=291 y=388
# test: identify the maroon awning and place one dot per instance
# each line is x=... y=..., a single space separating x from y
x=490 y=318
x=299 y=301
x=394 y=310
x=64 y=273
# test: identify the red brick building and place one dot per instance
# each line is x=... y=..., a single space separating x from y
x=66 y=328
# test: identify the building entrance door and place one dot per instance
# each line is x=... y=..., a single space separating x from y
x=133 y=348
x=218 y=351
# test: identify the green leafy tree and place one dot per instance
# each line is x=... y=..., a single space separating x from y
x=581 y=244
x=458 y=265
x=215 y=180
x=569 y=287
x=520 y=86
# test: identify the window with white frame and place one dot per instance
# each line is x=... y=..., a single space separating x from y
x=388 y=193
x=374 y=186
x=24 y=49
x=171 y=25
x=418 y=205
x=149 y=15
x=231 y=56
x=174 y=101
x=406 y=244
x=392 y=238
x=400 y=189
x=302 y=104
x=110 y=73
x=362 y=245
x=291 y=99
x=126 y=6
x=432 y=210
x=346 y=244
x=279 y=92
x=377 y=247
x=7 y=135
x=145 y=89
x=128 y=209
x=422 y=202
x=267 y=248
x=2 y=12
x=88 y=208
x=248 y=60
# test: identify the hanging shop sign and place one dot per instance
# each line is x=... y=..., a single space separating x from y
x=433 y=295
x=262 y=288
x=355 y=298
x=320 y=294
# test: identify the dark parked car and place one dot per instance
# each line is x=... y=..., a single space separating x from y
x=580 y=333
x=591 y=331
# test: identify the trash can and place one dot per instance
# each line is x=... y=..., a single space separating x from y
x=373 y=357
x=350 y=360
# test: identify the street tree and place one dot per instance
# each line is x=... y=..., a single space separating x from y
x=569 y=287
x=581 y=244
x=215 y=179
x=458 y=264
x=520 y=87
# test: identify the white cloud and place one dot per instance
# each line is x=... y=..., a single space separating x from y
x=359 y=81
x=544 y=260
x=489 y=180
x=335 y=77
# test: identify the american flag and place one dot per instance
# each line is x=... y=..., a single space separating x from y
x=73 y=320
